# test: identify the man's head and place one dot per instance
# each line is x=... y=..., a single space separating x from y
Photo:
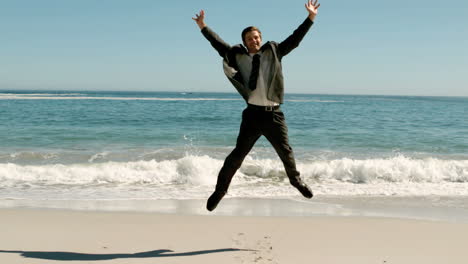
x=252 y=38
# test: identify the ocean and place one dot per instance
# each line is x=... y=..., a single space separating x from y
x=95 y=145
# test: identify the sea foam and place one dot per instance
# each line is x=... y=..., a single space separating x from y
x=397 y=169
x=194 y=176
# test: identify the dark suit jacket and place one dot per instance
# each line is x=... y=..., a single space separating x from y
x=275 y=87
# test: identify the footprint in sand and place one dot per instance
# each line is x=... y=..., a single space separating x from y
x=261 y=249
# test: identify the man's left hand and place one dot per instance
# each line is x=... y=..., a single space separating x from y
x=312 y=8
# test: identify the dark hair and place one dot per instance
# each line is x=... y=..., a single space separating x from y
x=248 y=29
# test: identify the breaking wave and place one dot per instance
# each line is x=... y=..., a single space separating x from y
x=194 y=176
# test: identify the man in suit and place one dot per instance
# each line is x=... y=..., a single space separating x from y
x=255 y=71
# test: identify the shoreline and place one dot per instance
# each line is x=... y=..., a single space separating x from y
x=442 y=209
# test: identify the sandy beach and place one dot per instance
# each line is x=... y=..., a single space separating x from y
x=31 y=235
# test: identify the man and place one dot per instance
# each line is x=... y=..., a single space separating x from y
x=255 y=71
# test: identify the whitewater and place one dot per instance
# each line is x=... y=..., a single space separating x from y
x=193 y=177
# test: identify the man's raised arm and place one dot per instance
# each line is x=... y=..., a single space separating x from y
x=217 y=43
x=293 y=41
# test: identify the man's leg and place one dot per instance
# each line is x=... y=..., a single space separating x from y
x=248 y=135
x=277 y=133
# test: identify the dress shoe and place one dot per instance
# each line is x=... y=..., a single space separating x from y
x=214 y=200
x=303 y=188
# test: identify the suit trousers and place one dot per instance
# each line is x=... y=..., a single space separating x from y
x=255 y=123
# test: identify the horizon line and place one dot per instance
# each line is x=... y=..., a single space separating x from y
x=224 y=92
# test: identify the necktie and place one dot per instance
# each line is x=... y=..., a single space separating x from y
x=254 y=73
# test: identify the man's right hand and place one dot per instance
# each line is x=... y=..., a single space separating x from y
x=200 y=19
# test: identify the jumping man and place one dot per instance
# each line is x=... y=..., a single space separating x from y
x=255 y=71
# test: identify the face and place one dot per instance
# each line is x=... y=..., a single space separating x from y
x=253 y=41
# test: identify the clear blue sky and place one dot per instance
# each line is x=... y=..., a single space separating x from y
x=412 y=47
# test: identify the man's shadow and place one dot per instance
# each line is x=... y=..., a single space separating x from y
x=73 y=256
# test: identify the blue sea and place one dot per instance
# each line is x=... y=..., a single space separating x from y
x=93 y=145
